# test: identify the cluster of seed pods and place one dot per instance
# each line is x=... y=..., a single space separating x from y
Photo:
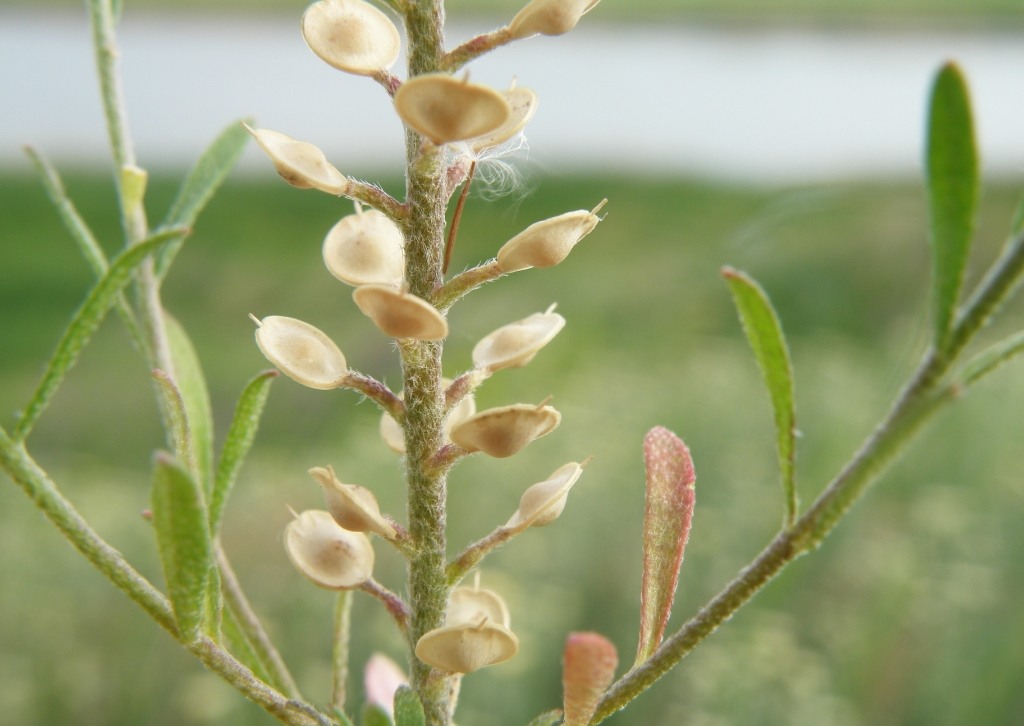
x=366 y=250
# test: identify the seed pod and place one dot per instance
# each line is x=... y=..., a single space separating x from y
x=514 y=345
x=501 y=432
x=365 y=248
x=446 y=109
x=467 y=647
x=548 y=242
x=352 y=506
x=300 y=164
x=549 y=17
x=400 y=314
x=351 y=35
x=329 y=556
x=544 y=502
x=471 y=604
x=522 y=103
x=394 y=437
x=302 y=352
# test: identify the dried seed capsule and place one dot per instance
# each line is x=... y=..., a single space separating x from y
x=446 y=109
x=352 y=506
x=400 y=314
x=329 y=556
x=365 y=248
x=394 y=437
x=514 y=345
x=549 y=17
x=351 y=35
x=302 y=352
x=501 y=432
x=548 y=242
x=522 y=103
x=300 y=164
x=544 y=502
x=467 y=647
x=471 y=604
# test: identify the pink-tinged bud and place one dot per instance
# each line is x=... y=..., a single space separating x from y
x=588 y=668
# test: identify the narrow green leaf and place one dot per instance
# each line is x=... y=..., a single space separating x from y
x=408 y=709
x=1017 y=226
x=764 y=333
x=952 y=178
x=374 y=715
x=200 y=184
x=174 y=407
x=73 y=221
x=183 y=539
x=238 y=442
x=341 y=717
x=550 y=718
x=991 y=358
x=85 y=322
x=241 y=647
x=667 y=517
x=588 y=668
x=196 y=399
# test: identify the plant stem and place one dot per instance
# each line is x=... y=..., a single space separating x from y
x=340 y=649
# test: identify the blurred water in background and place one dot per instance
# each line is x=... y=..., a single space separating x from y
x=771 y=105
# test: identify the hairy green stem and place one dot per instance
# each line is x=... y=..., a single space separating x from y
x=340 y=649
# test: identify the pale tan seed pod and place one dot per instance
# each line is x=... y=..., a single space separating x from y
x=300 y=164
x=548 y=242
x=351 y=35
x=514 y=345
x=366 y=248
x=544 y=502
x=394 y=437
x=329 y=556
x=400 y=314
x=303 y=353
x=467 y=647
x=522 y=103
x=501 y=432
x=549 y=17
x=353 y=507
x=471 y=604
x=446 y=109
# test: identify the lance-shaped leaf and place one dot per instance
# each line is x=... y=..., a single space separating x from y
x=408 y=709
x=667 y=517
x=548 y=718
x=196 y=399
x=177 y=420
x=183 y=538
x=764 y=333
x=588 y=668
x=991 y=358
x=238 y=442
x=952 y=176
x=84 y=324
x=199 y=186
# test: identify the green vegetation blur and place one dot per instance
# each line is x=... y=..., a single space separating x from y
x=909 y=614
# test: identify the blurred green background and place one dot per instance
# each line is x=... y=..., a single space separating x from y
x=909 y=614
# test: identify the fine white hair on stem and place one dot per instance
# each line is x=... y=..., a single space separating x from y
x=496 y=174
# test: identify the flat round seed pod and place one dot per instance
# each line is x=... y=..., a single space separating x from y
x=351 y=35
x=353 y=507
x=522 y=103
x=300 y=164
x=365 y=248
x=472 y=604
x=303 y=353
x=400 y=314
x=544 y=502
x=514 y=345
x=549 y=17
x=548 y=242
x=329 y=556
x=466 y=648
x=446 y=109
x=501 y=432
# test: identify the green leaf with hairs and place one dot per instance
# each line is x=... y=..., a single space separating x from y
x=199 y=186
x=764 y=333
x=183 y=539
x=84 y=323
x=408 y=709
x=238 y=442
x=549 y=718
x=991 y=358
x=374 y=715
x=195 y=398
x=953 y=183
